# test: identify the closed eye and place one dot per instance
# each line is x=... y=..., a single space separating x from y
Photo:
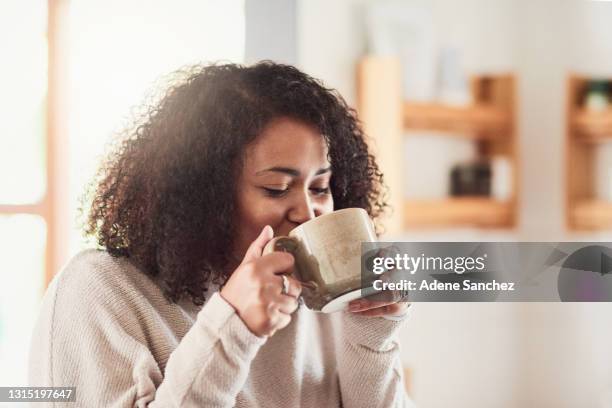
x=320 y=190
x=275 y=192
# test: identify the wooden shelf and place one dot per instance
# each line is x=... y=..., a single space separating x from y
x=489 y=121
x=473 y=121
x=592 y=126
x=584 y=130
x=464 y=211
x=591 y=215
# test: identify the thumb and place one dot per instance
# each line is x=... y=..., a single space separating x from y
x=257 y=246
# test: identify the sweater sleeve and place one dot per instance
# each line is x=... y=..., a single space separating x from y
x=89 y=336
x=211 y=364
x=369 y=364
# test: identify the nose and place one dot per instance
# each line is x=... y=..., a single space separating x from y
x=302 y=209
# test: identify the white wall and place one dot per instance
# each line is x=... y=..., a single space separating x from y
x=449 y=347
x=502 y=355
x=330 y=39
x=567 y=364
x=270 y=31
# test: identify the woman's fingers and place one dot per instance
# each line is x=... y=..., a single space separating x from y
x=257 y=246
x=365 y=307
x=365 y=304
x=285 y=304
x=256 y=288
x=275 y=263
x=278 y=321
x=294 y=287
x=387 y=310
x=376 y=312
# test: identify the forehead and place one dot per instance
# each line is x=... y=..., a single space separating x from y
x=289 y=143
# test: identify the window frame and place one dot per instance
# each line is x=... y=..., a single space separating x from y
x=53 y=207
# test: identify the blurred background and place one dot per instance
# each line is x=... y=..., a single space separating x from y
x=491 y=119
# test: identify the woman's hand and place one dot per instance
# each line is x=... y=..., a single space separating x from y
x=255 y=288
x=372 y=308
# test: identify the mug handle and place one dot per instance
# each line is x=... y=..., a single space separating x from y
x=287 y=244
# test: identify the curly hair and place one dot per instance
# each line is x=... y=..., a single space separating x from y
x=161 y=197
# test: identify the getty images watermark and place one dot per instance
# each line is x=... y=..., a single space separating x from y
x=489 y=271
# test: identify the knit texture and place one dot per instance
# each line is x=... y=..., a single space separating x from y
x=106 y=328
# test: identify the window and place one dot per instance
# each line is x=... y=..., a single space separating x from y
x=24 y=203
x=118 y=50
x=75 y=69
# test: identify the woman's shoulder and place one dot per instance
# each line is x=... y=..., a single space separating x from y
x=94 y=304
x=92 y=269
x=94 y=276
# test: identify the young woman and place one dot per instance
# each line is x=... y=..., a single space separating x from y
x=178 y=308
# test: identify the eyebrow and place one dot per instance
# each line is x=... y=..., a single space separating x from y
x=290 y=171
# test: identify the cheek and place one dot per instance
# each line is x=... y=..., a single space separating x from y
x=252 y=215
x=255 y=212
x=262 y=213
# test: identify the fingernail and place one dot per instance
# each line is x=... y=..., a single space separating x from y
x=267 y=231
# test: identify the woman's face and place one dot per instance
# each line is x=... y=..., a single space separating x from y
x=284 y=181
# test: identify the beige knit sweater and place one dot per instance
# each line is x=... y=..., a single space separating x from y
x=106 y=328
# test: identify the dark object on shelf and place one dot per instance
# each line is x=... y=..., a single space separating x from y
x=471 y=179
x=597 y=96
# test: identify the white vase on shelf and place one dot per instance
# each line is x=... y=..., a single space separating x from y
x=603 y=177
x=453 y=88
x=406 y=31
x=501 y=178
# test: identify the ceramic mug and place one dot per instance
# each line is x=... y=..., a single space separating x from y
x=327 y=252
